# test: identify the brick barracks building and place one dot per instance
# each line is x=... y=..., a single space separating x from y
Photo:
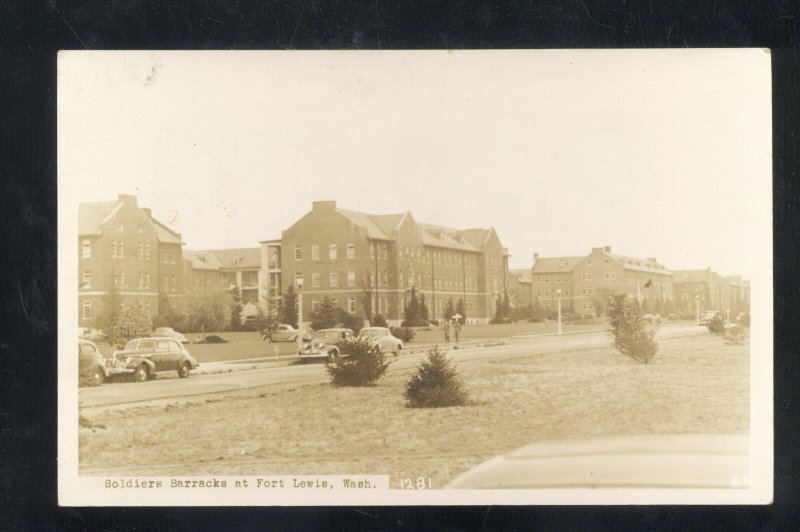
x=340 y=254
x=586 y=282
x=121 y=243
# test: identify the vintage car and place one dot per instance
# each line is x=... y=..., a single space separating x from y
x=169 y=332
x=92 y=368
x=284 y=333
x=324 y=345
x=711 y=461
x=382 y=339
x=143 y=358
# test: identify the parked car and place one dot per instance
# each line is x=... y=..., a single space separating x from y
x=92 y=368
x=325 y=345
x=711 y=461
x=145 y=357
x=285 y=333
x=708 y=315
x=169 y=332
x=93 y=335
x=382 y=339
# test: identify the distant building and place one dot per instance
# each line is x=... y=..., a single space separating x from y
x=122 y=244
x=239 y=269
x=585 y=283
x=520 y=289
x=711 y=290
x=343 y=254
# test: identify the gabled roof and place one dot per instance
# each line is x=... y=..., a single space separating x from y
x=387 y=223
x=249 y=258
x=523 y=276
x=437 y=239
x=92 y=215
x=364 y=220
x=202 y=260
x=642 y=265
x=555 y=264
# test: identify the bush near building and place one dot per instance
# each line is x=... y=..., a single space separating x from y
x=363 y=365
x=134 y=322
x=633 y=336
x=378 y=321
x=406 y=334
x=716 y=325
x=436 y=383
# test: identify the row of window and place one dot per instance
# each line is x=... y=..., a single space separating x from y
x=333 y=252
x=118 y=251
x=87 y=308
x=170 y=282
x=546 y=292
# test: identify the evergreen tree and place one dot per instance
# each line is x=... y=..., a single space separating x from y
x=435 y=384
x=461 y=310
x=287 y=310
x=112 y=309
x=633 y=337
x=412 y=309
x=506 y=305
x=423 y=311
x=325 y=316
x=450 y=310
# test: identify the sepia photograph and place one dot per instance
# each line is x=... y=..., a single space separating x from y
x=415 y=277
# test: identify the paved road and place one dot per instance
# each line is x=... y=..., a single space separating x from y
x=168 y=388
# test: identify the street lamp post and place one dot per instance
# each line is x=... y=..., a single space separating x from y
x=298 y=280
x=558 y=293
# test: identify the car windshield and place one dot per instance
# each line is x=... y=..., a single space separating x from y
x=328 y=336
x=372 y=333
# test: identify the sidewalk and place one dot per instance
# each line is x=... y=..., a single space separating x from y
x=227 y=366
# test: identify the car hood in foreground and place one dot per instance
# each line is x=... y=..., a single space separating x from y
x=651 y=461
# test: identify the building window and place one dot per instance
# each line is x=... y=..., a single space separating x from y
x=314 y=252
x=589 y=291
x=385 y=278
x=86 y=249
x=237 y=260
x=333 y=280
x=314 y=280
x=384 y=250
x=147 y=279
x=87 y=310
x=335 y=302
x=351 y=305
x=332 y=252
x=566 y=291
x=141 y=280
x=172 y=283
x=87 y=279
x=372 y=278
x=351 y=251
x=314 y=305
x=119 y=278
x=372 y=250
x=298 y=275
x=351 y=278
x=147 y=252
x=172 y=257
x=298 y=252
x=140 y=252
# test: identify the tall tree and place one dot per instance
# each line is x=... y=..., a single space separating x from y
x=460 y=309
x=450 y=310
x=209 y=308
x=423 y=310
x=412 y=308
x=112 y=309
x=287 y=310
x=134 y=322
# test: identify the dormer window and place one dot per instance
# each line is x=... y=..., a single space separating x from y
x=237 y=260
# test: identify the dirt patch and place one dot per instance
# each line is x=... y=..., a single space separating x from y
x=695 y=384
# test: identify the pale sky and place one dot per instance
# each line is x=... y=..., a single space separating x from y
x=660 y=153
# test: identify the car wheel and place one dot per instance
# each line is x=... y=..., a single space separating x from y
x=333 y=356
x=184 y=370
x=142 y=373
x=97 y=378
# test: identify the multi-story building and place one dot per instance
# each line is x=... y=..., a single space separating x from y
x=584 y=283
x=122 y=244
x=520 y=289
x=707 y=290
x=239 y=269
x=352 y=257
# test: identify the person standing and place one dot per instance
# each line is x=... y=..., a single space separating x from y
x=446 y=328
x=457 y=330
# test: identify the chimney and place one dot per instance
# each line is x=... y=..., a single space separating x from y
x=148 y=212
x=127 y=199
x=535 y=258
x=323 y=205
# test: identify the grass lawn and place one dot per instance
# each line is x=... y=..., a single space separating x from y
x=469 y=332
x=695 y=384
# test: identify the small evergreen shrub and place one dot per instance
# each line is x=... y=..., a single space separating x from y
x=436 y=383
x=633 y=336
x=360 y=364
x=716 y=325
x=406 y=334
x=378 y=321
